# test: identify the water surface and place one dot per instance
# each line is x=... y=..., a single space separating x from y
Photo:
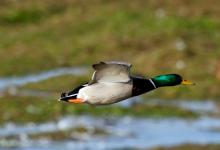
x=19 y=81
x=125 y=132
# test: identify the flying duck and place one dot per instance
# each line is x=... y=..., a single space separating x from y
x=111 y=83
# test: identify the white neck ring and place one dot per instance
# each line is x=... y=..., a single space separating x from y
x=151 y=81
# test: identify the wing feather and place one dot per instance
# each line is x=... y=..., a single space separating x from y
x=111 y=72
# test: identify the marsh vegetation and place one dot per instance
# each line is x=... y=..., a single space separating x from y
x=157 y=37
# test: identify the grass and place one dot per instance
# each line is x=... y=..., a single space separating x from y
x=63 y=83
x=32 y=109
x=60 y=135
x=70 y=134
x=42 y=35
x=152 y=35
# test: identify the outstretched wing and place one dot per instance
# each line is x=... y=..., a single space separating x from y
x=112 y=72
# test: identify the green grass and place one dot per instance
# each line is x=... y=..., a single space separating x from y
x=58 y=84
x=69 y=134
x=42 y=35
x=33 y=109
x=21 y=16
x=46 y=34
x=61 y=135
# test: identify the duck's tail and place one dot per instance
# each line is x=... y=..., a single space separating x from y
x=65 y=97
x=72 y=94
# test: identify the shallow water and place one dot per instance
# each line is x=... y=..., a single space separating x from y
x=201 y=107
x=19 y=81
x=123 y=132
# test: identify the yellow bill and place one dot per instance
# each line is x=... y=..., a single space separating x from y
x=187 y=82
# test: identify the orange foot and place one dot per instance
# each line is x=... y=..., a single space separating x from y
x=77 y=101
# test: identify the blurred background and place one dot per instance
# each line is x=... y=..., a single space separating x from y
x=48 y=46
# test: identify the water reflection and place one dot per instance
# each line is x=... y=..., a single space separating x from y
x=202 y=107
x=19 y=81
x=125 y=132
x=117 y=133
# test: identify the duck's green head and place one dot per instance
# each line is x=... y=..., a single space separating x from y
x=170 y=80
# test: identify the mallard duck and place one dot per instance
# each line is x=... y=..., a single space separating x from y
x=111 y=83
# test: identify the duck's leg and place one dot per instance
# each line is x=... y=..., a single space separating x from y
x=77 y=101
